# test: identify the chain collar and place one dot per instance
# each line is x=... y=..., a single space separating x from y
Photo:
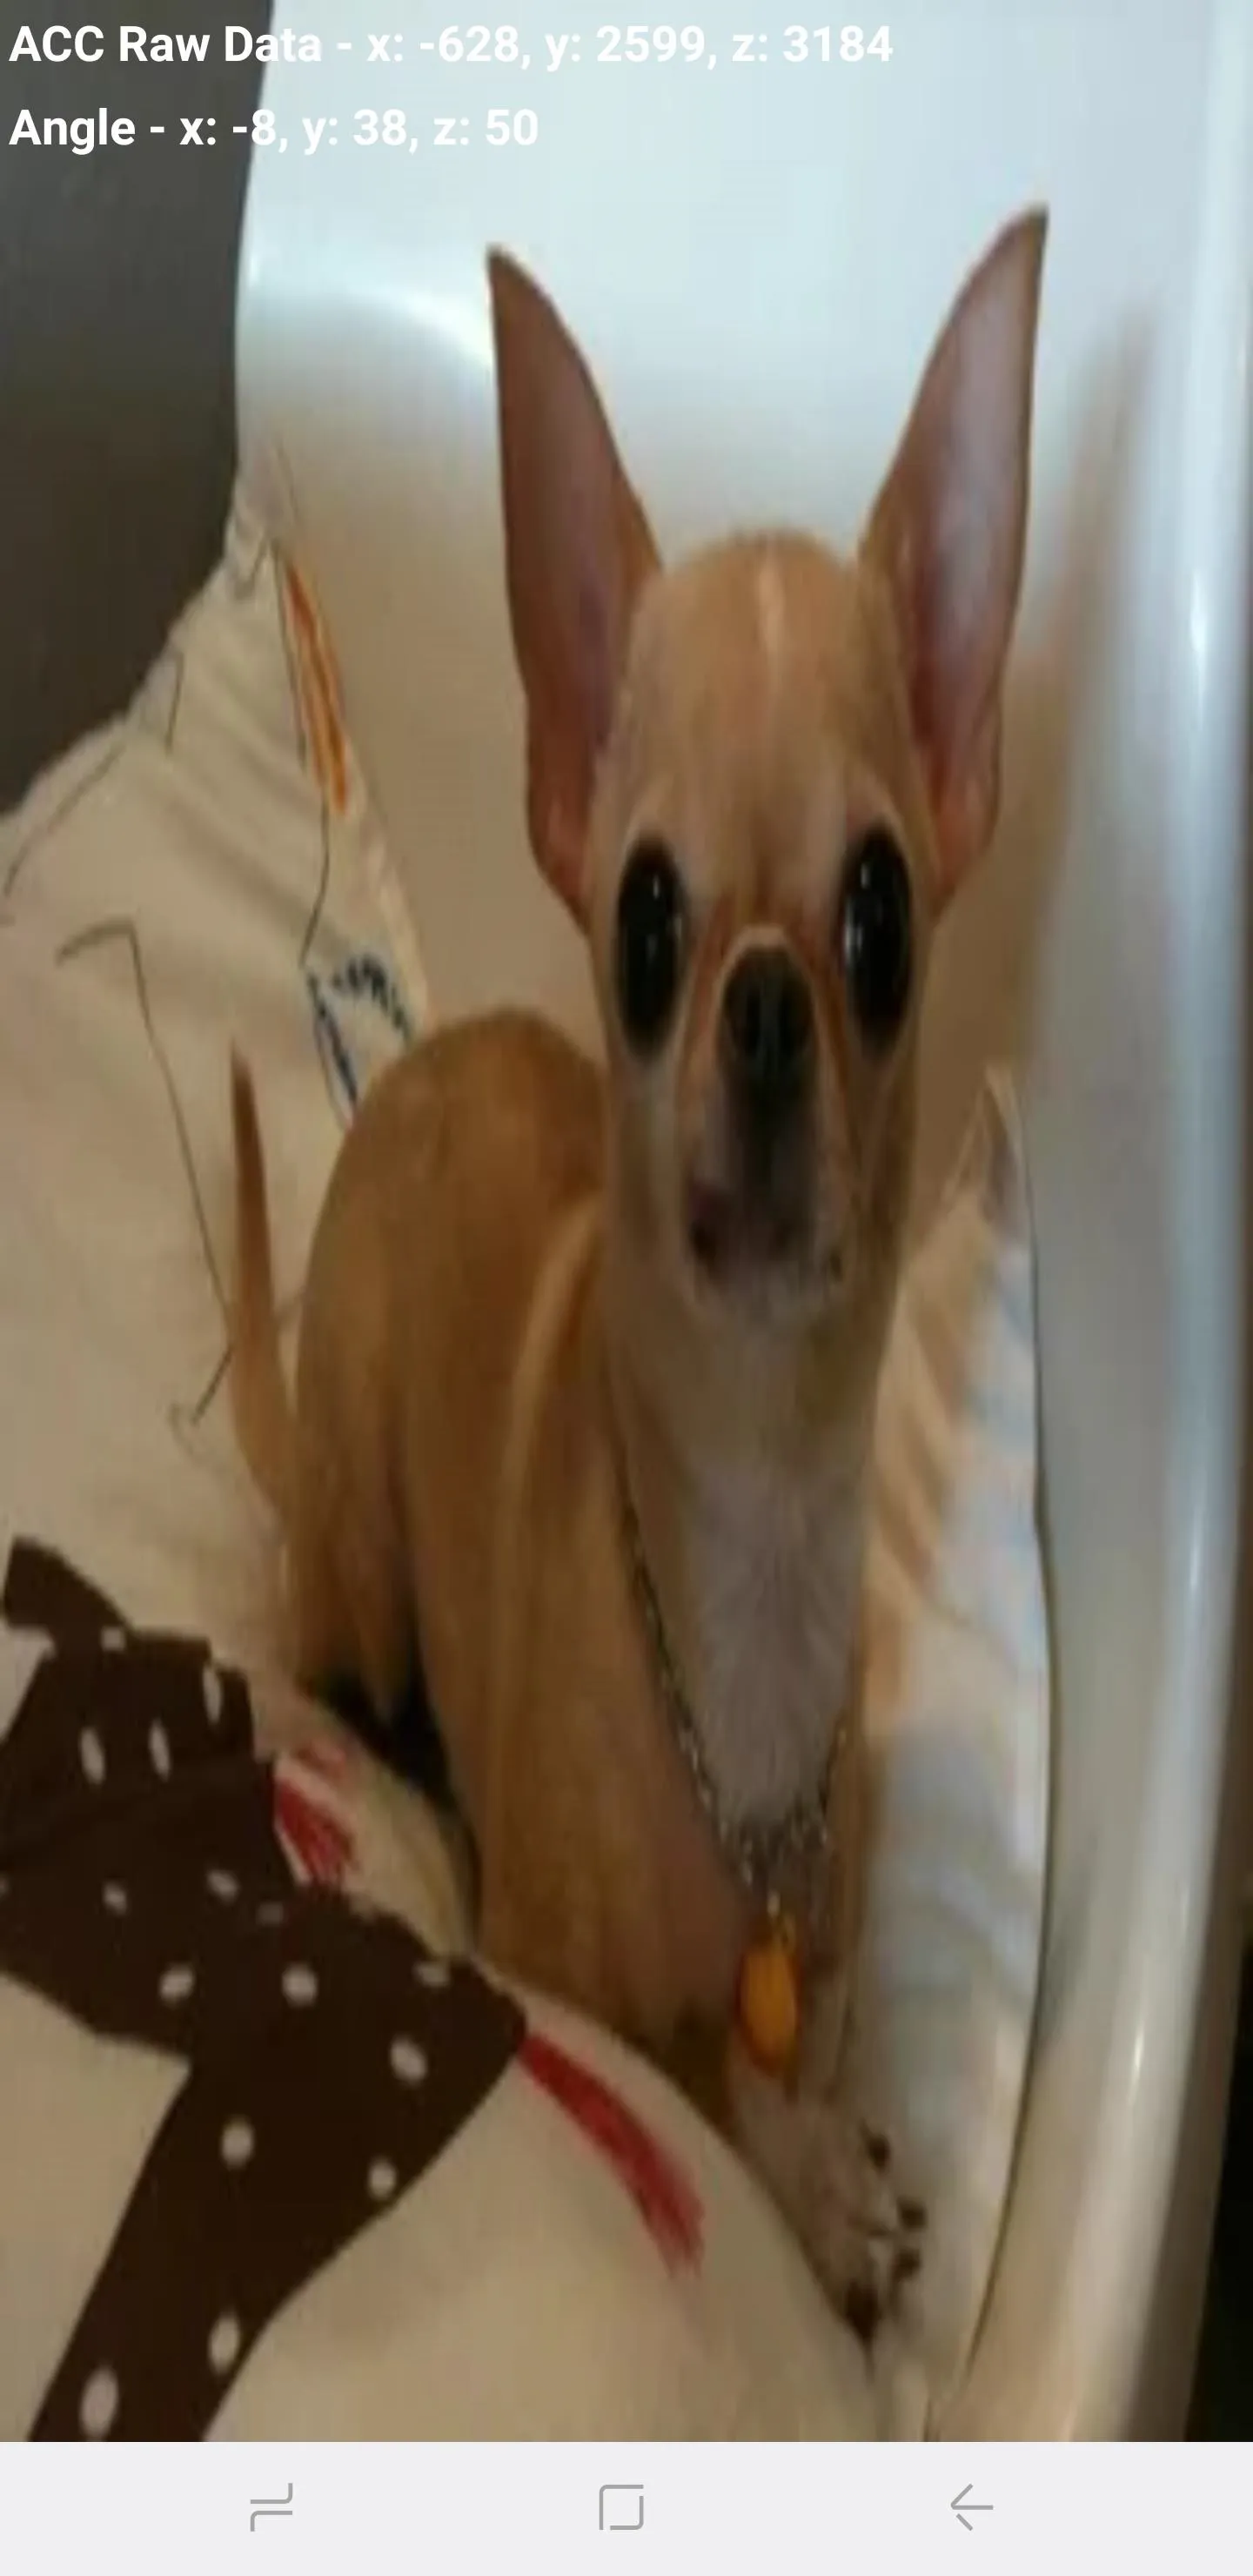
x=782 y=1864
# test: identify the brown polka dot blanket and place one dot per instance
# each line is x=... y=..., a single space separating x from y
x=276 y=2157
x=259 y=2129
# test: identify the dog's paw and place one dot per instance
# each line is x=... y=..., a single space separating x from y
x=865 y=2238
x=833 y=2178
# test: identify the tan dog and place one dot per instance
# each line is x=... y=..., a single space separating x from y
x=588 y=1364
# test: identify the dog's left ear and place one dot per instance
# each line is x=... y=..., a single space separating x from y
x=578 y=551
x=948 y=532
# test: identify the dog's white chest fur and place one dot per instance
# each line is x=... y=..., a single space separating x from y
x=774 y=1577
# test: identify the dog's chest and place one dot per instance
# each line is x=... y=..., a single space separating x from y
x=773 y=1580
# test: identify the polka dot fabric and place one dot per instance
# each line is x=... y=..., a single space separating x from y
x=329 y=2058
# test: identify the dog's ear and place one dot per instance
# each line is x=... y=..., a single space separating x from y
x=577 y=553
x=948 y=533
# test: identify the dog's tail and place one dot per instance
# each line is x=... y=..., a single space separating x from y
x=264 y=1424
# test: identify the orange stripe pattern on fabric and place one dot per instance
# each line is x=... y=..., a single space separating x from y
x=318 y=685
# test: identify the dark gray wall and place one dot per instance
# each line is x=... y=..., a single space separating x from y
x=117 y=283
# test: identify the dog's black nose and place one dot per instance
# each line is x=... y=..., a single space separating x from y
x=767 y=1030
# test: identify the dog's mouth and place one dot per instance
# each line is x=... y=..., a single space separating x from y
x=758 y=1234
x=729 y=1230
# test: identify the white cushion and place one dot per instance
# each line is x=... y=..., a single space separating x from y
x=187 y=877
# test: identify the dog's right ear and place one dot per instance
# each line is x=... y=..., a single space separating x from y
x=578 y=551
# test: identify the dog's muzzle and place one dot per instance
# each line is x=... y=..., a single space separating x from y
x=754 y=1211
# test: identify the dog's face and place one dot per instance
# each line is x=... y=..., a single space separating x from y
x=756 y=778
x=759 y=915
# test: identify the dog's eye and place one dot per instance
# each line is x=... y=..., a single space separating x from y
x=651 y=932
x=875 y=935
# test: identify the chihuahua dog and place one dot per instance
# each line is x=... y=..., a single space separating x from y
x=588 y=1359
